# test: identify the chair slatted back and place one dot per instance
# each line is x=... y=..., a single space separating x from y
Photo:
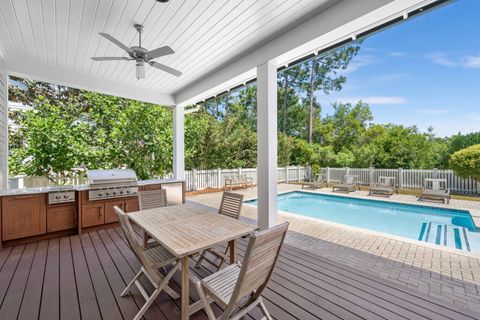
x=231 y=205
x=153 y=199
x=134 y=245
x=436 y=184
x=350 y=179
x=386 y=181
x=260 y=259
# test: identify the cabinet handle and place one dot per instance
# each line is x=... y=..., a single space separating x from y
x=24 y=197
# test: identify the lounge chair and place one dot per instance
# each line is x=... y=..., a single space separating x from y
x=318 y=182
x=231 y=206
x=238 y=288
x=151 y=259
x=350 y=184
x=435 y=189
x=385 y=186
x=149 y=200
x=239 y=180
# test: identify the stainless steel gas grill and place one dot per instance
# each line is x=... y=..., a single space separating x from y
x=115 y=183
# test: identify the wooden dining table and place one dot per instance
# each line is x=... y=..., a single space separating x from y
x=188 y=229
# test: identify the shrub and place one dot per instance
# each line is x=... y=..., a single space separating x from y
x=466 y=162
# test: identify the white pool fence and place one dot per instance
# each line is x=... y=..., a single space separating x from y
x=215 y=178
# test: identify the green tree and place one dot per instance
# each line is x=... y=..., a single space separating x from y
x=466 y=162
x=54 y=142
x=325 y=77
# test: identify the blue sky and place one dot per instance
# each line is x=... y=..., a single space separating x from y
x=425 y=71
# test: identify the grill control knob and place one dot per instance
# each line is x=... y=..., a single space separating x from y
x=57 y=197
x=128 y=191
x=108 y=193
x=114 y=193
x=101 y=194
x=66 y=196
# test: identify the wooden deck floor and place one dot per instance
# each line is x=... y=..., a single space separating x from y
x=81 y=277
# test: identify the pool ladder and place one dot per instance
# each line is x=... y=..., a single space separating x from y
x=444 y=235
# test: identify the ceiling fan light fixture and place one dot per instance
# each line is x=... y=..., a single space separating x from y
x=140 y=70
x=140 y=55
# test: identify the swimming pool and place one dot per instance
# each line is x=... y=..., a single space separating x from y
x=444 y=227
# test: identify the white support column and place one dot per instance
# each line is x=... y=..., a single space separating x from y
x=3 y=130
x=267 y=144
x=178 y=143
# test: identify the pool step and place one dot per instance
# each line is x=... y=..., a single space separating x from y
x=444 y=235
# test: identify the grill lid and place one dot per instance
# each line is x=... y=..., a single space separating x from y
x=111 y=177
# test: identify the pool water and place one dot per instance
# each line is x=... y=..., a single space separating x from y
x=444 y=227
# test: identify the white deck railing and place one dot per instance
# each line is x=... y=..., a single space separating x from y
x=215 y=178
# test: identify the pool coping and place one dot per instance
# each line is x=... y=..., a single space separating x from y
x=371 y=232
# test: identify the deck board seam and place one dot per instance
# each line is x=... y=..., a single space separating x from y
x=387 y=283
x=11 y=277
x=108 y=231
x=26 y=281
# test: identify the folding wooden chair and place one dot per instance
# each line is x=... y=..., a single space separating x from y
x=238 y=288
x=149 y=200
x=231 y=206
x=151 y=259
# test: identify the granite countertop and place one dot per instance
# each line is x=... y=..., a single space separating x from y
x=83 y=187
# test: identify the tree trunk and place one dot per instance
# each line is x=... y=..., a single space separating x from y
x=285 y=98
x=310 y=104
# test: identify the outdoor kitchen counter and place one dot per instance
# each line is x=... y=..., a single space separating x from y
x=84 y=187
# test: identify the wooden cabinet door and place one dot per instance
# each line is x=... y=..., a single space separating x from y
x=131 y=204
x=93 y=214
x=23 y=216
x=149 y=187
x=61 y=218
x=110 y=215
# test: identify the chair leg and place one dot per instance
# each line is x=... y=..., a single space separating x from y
x=206 y=303
x=148 y=303
x=145 y=240
x=158 y=289
x=222 y=260
x=200 y=259
x=125 y=291
x=264 y=310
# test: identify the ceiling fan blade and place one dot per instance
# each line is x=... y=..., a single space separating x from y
x=160 y=52
x=118 y=43
x=165 y=68
x=109 y=58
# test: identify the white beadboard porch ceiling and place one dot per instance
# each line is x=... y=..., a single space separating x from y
x=204 y=33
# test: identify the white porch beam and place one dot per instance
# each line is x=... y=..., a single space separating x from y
x=178 y=143
x=42 y=72
x=3 y=130
x=267 y=144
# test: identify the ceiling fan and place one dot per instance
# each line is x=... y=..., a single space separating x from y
x=140 y=55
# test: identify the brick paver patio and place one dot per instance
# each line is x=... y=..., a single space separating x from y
x=446 y=274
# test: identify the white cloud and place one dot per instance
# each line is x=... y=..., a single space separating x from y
x=359 y=62
x=396 y=54
x=441 y=59
x=471 y=62
x=376 y=100
x=391 y=76
x=433 y=111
